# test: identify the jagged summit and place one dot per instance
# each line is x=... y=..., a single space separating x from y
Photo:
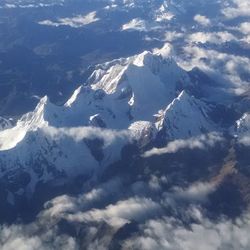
x=184 y=117
x=118 y=94
x=146 y=58
x=147 y=82
x=117 y=106
x=109 y=76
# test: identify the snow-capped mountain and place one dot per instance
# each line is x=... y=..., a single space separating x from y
x=124 y=101
x=185 y=117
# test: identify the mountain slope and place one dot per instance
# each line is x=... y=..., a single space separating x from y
x=118 y=106
x=185 y=117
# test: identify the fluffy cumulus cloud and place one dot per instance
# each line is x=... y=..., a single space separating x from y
x=194 y=231
x=120 y=213
x=236 y=8
x=82 y=209
x=228 y=68
x=211 y=37
x=138 y=215
x=92 y=220
x=171 y=234
x=171 y=36
x=13 y=238
x=196 y=192
x=44 y=233
x=245 y=28
x=244 y=140
x=202 y=20
x=29 y=238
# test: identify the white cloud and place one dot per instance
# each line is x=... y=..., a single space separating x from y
x=195 y=192
x=236 y=8
x=80 y=133
x=12 y=238
x=120 y=213
x=245 y=140
x=140 y=25
x=67 y=204
x=245 y=28
x=166 y=233
x=202 y=20
x=74 y=22
x=171 y=234
x=211 y=37
x=200 y=142
x=227 y=68
x=171 y=36
x=191 y=230
x=28 y=237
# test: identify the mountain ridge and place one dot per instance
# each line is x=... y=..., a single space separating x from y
x=89 y=132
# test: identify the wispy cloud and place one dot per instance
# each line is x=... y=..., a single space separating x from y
x=80 y=133
x=200 y=142
x=74 y=22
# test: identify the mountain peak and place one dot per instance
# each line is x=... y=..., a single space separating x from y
x=145 y=58
x=121 y=96
x=184 y=117
x=183 y=102
x=13 y=135
x=184 y=96
x=35 y=119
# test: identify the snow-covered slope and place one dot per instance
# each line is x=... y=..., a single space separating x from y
x=129 y=99
x=145 y=82
x=184 y=117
